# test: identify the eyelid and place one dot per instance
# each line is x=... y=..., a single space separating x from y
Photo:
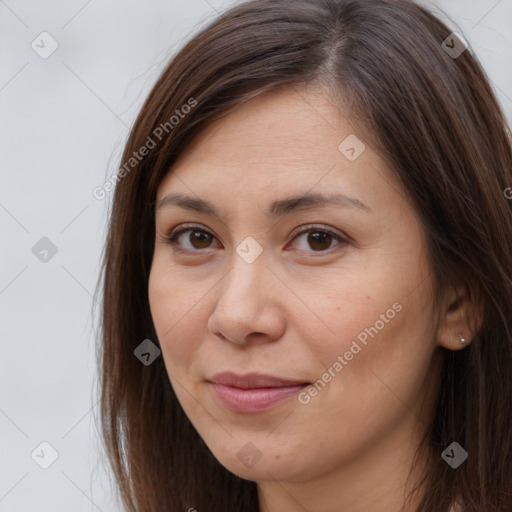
x=308 y=227
x=175 y=233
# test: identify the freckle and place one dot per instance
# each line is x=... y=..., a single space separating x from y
x=338 y=308
x=368 y=297
x=277 y=456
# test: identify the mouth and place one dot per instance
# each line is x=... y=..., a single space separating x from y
x=253 y=392
x=254 y=380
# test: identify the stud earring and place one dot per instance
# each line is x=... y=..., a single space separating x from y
x=462 y=339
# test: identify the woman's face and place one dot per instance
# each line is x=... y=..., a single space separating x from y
x=345 y=305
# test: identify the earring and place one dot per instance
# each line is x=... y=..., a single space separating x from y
x=462 y=339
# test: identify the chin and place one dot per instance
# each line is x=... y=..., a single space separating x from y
x=269 y=467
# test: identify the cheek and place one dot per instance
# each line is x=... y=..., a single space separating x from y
x=359 y=336
x=346 y=311
x=372 y=324
x=175 y=317
x=385 y=359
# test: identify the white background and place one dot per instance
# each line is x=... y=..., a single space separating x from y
x=64 y=120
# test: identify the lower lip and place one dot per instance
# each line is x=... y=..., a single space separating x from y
x=253 y=400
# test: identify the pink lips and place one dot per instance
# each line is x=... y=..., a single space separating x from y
x=253 y=392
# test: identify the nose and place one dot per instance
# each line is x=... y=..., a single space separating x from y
x=249 y=305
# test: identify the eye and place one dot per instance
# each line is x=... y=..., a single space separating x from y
x=318 y=239
x=198 y=238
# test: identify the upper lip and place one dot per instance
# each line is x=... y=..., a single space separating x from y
x=254 y=380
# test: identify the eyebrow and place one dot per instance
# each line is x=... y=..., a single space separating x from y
x=277 y=208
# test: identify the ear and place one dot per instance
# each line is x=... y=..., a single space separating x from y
x=459 y=314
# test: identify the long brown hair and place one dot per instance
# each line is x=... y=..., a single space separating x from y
x=434 y=118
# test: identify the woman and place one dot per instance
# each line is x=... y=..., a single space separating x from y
x=308 y=271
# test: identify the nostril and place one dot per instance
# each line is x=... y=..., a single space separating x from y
x=224 y=337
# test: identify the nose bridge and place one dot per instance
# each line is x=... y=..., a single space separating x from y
x=245 y=302
x=243 y=285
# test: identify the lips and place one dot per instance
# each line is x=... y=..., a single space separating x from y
x=253 y=393
x=254 y=381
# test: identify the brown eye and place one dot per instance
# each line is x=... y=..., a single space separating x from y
x=200 y=239
x=319 y=240
x=190 y=239
x=312 y=239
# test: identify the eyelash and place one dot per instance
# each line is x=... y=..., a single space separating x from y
x=171 y=239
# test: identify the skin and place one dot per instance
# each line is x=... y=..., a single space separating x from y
x=296 y=308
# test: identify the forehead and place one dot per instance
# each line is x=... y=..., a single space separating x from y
x=280 y=144
x=292 y=128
